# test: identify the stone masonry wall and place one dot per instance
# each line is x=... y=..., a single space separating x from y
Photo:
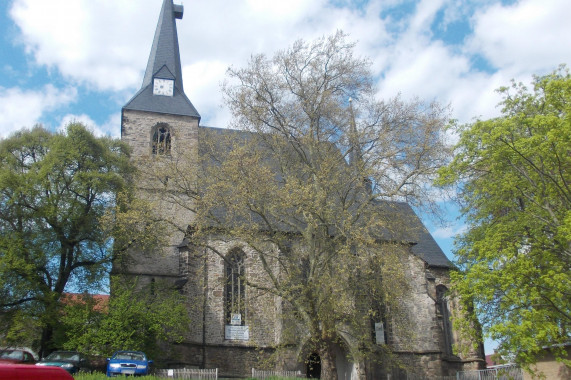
x=425 y=354
x=137 y=130
x=260 y=307
x=206 y=343
x=421 y=310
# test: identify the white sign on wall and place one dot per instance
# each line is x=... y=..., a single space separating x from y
x=236 y=319
x=237 y=333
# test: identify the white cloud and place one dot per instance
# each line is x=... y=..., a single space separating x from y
x=24 y=108
x=449 y=232
x=202 y=81
x=88 y=41
x=474 y=95
x=105 y=44
x=109 y=128
x=112 y=127
x=522 y=39
x=283 y=10
x=527 y=36
x=424 y=16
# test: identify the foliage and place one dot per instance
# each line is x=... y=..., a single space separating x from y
x=102 y=376
x=64 y=198
x=319 y=93
x=20 y=329
x=514 y=178
x=82 y=316
x=135 y=319
x=303 y=183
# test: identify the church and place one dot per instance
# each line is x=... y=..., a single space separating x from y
x=233 y=329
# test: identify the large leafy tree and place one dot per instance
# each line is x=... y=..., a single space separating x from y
x=65 y=215
x=514 y=178
x=304 y=184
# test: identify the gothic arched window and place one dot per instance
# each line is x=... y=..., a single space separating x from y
x=235 y=288
x=443 y=311
x=162 y=140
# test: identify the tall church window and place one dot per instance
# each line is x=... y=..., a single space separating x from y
x=443 y=312
x=235 y=288
x=162 y=140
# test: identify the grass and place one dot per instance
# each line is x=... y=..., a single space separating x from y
x=101 y=376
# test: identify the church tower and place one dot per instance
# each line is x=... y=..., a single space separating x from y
x=160 y=119
x=160 y=124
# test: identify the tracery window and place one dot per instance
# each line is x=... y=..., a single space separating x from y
x=162 y=140
x=235 y=288
x=443 y=311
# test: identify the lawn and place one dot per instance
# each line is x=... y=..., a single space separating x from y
x=101 y=376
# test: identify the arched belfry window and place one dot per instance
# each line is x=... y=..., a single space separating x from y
x=443 y=311
x=162 y=140
x=235 y=288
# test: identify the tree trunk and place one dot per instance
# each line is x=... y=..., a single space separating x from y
x=46 y=340
x=328 y=361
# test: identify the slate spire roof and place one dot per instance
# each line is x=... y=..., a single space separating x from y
x=164 y=62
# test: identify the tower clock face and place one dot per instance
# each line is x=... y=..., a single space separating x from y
x=163 y=87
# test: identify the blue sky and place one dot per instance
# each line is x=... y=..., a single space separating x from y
x=63 y=60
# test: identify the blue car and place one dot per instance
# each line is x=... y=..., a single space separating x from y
x=128 y=363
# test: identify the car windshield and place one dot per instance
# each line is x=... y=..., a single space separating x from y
x=59 y=355
x=11 y=354
x=130 y=356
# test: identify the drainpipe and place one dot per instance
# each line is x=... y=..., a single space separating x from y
x=204 y=304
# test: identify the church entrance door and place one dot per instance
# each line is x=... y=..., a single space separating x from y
x=313 y=369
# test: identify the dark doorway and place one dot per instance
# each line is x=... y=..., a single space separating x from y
x=313 y=366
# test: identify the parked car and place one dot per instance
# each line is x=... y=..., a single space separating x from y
x=32 y=372
x=17 y=355
x=71 y=361
x=128 y=363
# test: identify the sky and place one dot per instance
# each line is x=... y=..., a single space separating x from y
x=82 y=60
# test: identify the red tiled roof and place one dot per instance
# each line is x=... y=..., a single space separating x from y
x=101 y=300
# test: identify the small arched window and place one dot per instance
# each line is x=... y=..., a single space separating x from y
x=162 y=140
x=443 y=311
x=235 y=288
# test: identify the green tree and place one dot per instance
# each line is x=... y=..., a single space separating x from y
x=134 y=319
x=304 y=184
x=514 y=176
x=65 y=214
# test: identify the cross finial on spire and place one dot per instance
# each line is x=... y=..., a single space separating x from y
x=178 y=11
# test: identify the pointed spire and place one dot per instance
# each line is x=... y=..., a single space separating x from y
x=355 y=153
x=355 y=149
x=164 y=63
x=165 y=55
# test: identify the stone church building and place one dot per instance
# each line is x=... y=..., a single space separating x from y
x=160 y=120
